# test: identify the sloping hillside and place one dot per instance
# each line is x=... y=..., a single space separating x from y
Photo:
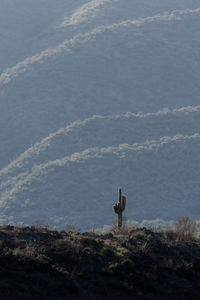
x=40 y=264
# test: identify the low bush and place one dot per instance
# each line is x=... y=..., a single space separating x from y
x=108 y=252
x=185 y=228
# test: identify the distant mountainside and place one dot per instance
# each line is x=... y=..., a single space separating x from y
x=96 y=95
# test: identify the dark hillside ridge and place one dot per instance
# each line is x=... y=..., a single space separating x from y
x=37 y=263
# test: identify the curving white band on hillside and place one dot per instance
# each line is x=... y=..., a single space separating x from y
x=38 y=147
x=85 y=12
x=22 y=181
x=68 y=45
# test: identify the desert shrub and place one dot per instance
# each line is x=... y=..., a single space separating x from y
x=169 y=234
x=87 y=250
x=104 y=230
x=20 y=225
x=124 y=230
x=28 y=251
x=108 y=252
x=43 y=258
x=71 y=228
x=42 y=225
x=185 y=228
x=124 y=243
x=69 y=246
x=138 y=234
x=156 y=224
x=147 y=247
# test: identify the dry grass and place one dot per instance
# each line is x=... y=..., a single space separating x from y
x=124 y=230
x=41 y=225
x=72 y=228
x=185 y=228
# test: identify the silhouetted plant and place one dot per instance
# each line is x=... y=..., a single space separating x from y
x=119 y=207
x=185 y=228
x=41 y=225
x=71 y=228
x=69 y=245
x=169 y=234
x=108 y=252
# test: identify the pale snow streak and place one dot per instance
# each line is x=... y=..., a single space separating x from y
x=22 y=182
x=85 y=12
x=37 y=148
x=68 y=45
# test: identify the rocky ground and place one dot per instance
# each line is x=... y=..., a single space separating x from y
x=38 y=263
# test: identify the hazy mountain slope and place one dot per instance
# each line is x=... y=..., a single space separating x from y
x=107 y=58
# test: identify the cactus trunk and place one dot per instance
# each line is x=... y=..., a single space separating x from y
x=119 y=220
x=119 y=212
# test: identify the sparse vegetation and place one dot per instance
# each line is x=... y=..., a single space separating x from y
x=49 y=264
x=186 y=228
x=125 y=229
x=107 y=252
x=72 y=228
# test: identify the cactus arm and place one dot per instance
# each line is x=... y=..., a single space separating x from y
x=115 y=207
x=119 y=195
x=123 y=206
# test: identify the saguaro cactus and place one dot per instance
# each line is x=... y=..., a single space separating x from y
x=119 y=207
